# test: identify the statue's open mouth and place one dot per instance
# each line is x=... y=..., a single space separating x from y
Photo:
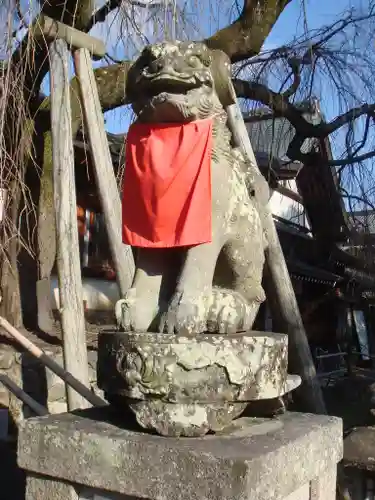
x=169 y=74
x=176 y=83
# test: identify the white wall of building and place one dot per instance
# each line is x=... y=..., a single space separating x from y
x=100 y=295
x=286 y=208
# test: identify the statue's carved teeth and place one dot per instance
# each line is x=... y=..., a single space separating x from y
x=169 y=75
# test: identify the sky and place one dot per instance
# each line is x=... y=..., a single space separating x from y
x=206 y=16
x=125 y=38
x=209 y=19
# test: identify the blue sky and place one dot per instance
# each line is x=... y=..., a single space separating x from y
x=124 y=38
x=294 y=21
x=290 y=24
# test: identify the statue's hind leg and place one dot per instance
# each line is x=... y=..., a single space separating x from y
x=246 y=263
x=235 y=303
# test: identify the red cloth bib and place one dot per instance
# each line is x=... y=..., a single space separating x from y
x=167 y=185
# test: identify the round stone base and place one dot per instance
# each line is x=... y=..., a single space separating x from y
x=188 y=386
x=188 y=420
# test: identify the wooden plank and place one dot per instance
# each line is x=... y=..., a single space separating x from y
x=68 y=264
x=37 y=408
x=279 y=288
x=46 y=233
x=52 y=29
x=51 y=364
x=105 y=178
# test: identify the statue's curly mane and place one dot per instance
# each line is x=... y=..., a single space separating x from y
x=202 y=95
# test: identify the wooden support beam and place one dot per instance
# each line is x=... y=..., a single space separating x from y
x=280 y=290
x=37 y=408
x=46 y=240
x=51 y=364
x=68 y=263
x=76 y=39
x=105 y=178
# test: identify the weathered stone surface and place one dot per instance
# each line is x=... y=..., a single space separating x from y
x=182 y=419
x=173 y=291
x=42 y=488
x=94 y=494
x=324 y=486
x=46 y=488
x=245 y=463
x=302 y=493
x=17 y=410
x=6 y=359
x=203 y=368
x=55 y=407
x=4 y=396
x=181 y=385
x=10 y=367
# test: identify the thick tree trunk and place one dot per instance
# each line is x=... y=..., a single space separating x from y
x=10 y=306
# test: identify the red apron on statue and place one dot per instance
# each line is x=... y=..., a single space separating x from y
x=167 y=185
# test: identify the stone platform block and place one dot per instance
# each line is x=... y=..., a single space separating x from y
x=86 y=455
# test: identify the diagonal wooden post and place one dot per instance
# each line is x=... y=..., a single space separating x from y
x=279 y=288
x=280 y=291
x=68 y=262
x=105 y=179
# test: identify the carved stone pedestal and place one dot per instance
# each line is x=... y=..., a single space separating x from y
x=187 y=386
x=87 y=456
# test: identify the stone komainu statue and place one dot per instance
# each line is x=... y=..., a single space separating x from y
x=215 y=286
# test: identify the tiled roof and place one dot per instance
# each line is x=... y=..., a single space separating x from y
x=273 y=135
x=363 y=221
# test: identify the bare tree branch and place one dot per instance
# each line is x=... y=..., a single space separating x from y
x=31 y=57
x=350 y=160
x=294 y=64
x=278 y=103
x=349 y=196
x=100 y=15
x=348 y=117
x=281 y=107
x=338 y=27
x=245 y=37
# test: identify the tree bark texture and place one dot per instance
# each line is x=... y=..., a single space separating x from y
x=68 y=263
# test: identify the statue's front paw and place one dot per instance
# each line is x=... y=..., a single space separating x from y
x=186 y=314
x=124 y=311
